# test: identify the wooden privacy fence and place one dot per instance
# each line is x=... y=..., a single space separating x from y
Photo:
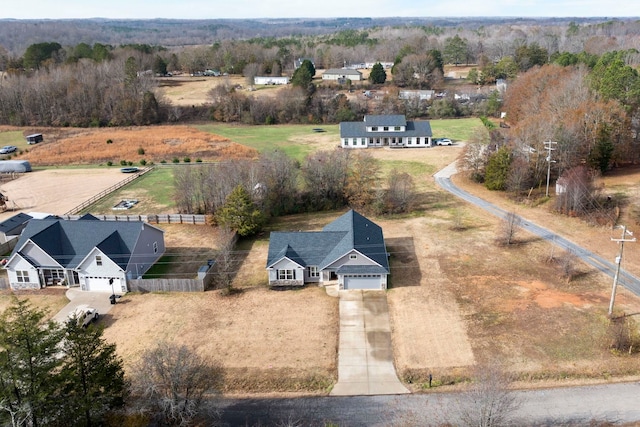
x=152 y=219
x=7 y=247
x=4 y=283
x=108 y=191
x=166 y=285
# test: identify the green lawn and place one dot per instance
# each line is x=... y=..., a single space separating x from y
x=13 y=137
x=455 y=129
x=295 y=140
x=155 y=186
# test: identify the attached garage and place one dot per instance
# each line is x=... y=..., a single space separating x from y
x=101 y=284
x=363 y=281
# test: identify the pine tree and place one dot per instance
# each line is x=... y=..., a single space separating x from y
x=240 y=214
x=29 y=365
x=378 y=75
x=93 y=374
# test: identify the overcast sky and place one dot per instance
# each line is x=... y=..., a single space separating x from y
x=212 y=9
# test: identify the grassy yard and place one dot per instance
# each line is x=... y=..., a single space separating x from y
x=13 y=137
x=455 y=129
x=297 y=141
x=154 y=192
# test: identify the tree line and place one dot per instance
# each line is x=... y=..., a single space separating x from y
x=574 y=122
x=277 y=185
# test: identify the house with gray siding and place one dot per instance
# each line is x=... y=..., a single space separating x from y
x=92 y=254
x=385 y=131
x=349 y=250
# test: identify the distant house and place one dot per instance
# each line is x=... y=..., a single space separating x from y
x=349 y=250
x=270 y=80
x=385 y=131
x=95 y=255
x=11 y=228
x=422 y=95
x=342 y=73
x=35 y=138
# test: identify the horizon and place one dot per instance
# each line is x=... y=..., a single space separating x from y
x=331 y=9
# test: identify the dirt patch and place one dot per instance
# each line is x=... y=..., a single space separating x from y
x=56 y=191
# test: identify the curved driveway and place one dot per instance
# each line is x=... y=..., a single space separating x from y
x=632 y=283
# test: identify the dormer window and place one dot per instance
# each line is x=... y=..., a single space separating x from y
x=374 y=128
x=98 y=260
x=353 y=256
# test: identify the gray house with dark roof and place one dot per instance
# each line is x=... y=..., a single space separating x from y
x=12 y=227
x=385 y=131
x=350 y=249
x=92 y=254
x=342 y=74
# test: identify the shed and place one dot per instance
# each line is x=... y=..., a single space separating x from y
x=9 y=166
x=34 y=138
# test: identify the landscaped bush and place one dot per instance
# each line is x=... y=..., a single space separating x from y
x=143 y=162
x=109 y=141
x=109 y=163
x=141 y=151
x=187 y=160
x=176 y=160
x=123 y=163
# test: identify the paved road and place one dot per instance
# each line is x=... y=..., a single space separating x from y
x=613 y=403
x=632 y=283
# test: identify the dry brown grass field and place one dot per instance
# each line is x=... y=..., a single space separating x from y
x=132 y=144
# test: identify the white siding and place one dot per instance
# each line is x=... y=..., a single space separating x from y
x=40 y=257
x=20 y=264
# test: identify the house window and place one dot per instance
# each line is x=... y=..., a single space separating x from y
x=22 y=276
x=98 y=260
x=155 y=247
x=353 y=141
x=410 y=141
x=397 y=128
x=386 y=128
x=312 y=271
x=362 y=141
x=374 y=128
x=353 y=256
x=286 y=275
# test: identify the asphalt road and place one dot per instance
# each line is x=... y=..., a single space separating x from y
x=571 y=406
x=632 y=283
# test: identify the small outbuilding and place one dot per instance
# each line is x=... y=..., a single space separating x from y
x=34 y=138
x=14 y=166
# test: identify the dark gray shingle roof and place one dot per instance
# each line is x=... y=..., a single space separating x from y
x=343 y=72
x=14 y=222
x=359 y=130
x=321 y=248
x=69 y=242
x=385 y=120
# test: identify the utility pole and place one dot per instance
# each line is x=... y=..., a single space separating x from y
x=548 y=145
x=621 y=240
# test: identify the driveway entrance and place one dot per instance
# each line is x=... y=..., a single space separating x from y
x=365 y=354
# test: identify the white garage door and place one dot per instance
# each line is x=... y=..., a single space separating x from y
x=362 y=281
x=99 y=284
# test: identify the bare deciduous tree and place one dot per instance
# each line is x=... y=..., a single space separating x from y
x=509 y=227
x=172 y=380
x=489 y=401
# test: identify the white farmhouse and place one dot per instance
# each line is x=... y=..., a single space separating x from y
x=385 y=131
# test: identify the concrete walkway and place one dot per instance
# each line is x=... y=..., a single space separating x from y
x=365 y=354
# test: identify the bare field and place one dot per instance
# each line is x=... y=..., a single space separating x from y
x=267 y=341
x=56 y=191
x=152 y=144
x=186 y=90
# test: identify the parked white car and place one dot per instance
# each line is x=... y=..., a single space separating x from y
x=84 y=315
x=8 y=149
x=444 y=141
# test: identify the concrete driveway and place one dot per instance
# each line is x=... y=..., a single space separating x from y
x=365 y=354
x=98 y=300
